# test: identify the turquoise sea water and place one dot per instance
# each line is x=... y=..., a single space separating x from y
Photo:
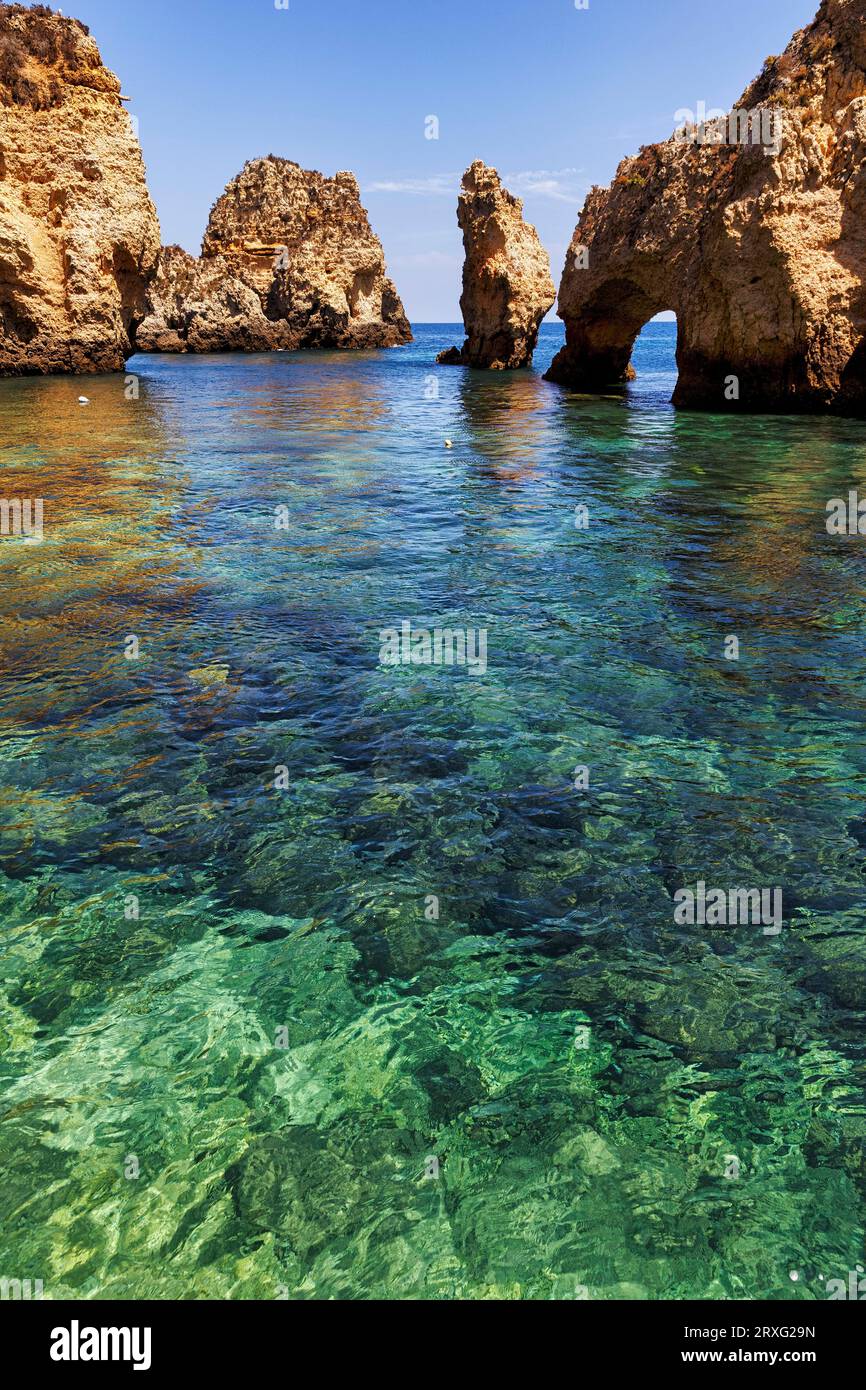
x=287 y=1035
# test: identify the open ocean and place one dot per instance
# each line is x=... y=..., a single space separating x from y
x=321 y=978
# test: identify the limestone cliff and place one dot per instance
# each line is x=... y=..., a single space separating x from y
x=288 y=260
x=507 y=288
x=79 y=235
x=753 y=230
x=200 y=305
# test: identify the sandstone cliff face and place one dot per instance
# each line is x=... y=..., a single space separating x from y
x=507 y=288
x=202 y=306
x=759 y=248
x=288 y=260
x=79 y=236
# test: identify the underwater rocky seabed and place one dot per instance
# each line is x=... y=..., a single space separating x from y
x=299 y=1172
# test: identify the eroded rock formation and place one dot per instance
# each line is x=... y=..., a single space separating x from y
x=507 y=288
x=288 y=260
x=200 y=305
x=759 y=248
x=79 y=236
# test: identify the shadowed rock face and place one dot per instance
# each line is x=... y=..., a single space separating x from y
x=759 y=248
x=288 y=260
x=79 y=236
x=202 y=306
x=507 y=288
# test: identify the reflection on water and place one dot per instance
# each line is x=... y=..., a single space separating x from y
x=249 y=990
x=509 y=418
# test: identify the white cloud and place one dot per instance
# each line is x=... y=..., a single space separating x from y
x=561 y=185
x=439 y=183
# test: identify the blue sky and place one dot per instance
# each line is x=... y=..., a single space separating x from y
x=553 y=96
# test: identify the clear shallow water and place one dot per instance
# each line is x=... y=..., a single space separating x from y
x=270 y=1171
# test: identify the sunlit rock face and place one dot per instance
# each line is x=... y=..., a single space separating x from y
x=752 y=230
x=507 y=288
x=79 y=235
x=288 y=260
x=201 y=305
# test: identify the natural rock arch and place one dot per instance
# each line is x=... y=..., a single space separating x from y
x=759 y=247
x=602 y=341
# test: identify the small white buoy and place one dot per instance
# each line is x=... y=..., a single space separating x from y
x=83 y=400
x=448 y=444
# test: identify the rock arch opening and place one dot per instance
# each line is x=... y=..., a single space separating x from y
x=600 y=343
x=654 y=352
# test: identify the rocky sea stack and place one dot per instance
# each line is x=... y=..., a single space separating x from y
x=753 y=230
x=79 y=236
x=288 y=260
x=507 y=288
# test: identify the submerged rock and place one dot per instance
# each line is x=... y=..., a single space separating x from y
x=507 y=288
x=294 y=1183
x=752 y=230
x=288 y=260
x=79 y=236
